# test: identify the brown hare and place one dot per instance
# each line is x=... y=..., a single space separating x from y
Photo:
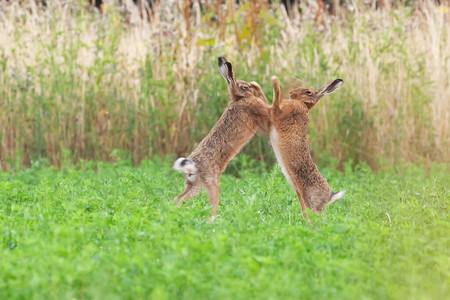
x=247 y=112
x=289 y=125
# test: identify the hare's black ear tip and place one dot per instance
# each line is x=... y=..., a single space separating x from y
x=337 y=83
x=222 y=60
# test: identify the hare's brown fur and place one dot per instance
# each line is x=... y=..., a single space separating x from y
x=247 y=112
x=289 y=119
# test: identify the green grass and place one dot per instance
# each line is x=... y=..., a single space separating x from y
x=110 y=231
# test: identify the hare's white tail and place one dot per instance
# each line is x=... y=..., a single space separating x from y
x=186 y=166
x=335 y=196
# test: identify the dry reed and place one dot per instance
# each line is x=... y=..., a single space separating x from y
x=73 y=79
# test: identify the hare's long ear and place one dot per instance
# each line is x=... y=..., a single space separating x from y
x=276 y=93
x=329 y=88
x=226 y=69
x=325 y=90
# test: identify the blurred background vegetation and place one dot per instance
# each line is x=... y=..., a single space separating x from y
x=99 y=80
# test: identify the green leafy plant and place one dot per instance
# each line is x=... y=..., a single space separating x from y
x=97 y=230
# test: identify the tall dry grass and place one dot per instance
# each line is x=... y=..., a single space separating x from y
x=395 y=106
x=79 y=84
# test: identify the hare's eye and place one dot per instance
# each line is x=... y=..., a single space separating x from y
x=308 y=93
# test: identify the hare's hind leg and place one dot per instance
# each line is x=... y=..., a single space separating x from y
x=302 y=203
x=213 y=194
x=190 y=191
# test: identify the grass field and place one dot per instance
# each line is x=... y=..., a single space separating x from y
x=102 y=96
x=110 y=231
